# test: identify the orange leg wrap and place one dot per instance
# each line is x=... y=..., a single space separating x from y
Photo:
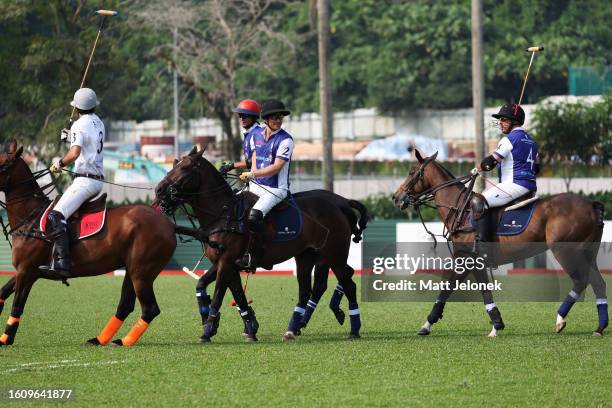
x=12 y=320
x=1 y=301
x=135 y=333
x=4 y=338
x=109 y=330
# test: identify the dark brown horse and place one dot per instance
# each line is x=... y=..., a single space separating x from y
x=134 y=237
x=569 y=225
x=324 y=241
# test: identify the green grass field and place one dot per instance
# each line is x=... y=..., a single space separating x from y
x=529 y=365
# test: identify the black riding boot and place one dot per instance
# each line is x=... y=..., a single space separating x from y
x=482 y=219
x=253 y=254
x=57 y=230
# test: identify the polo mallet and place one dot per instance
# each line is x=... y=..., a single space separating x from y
x=245 y=288
x=532 y=50
x=104 y=14
x=191 y=272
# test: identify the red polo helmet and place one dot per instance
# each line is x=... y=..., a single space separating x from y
x=248 y=107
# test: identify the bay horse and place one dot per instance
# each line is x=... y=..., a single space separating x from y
x=571 y=226
x=323 y=242
x=134 y=237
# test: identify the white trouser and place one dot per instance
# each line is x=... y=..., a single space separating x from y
x=503 y=193
x=81 y=190
x=268 y=197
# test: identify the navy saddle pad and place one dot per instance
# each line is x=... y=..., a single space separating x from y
x=287 y=220
x=514 y=222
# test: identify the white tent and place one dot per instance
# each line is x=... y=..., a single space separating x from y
x=396 y=148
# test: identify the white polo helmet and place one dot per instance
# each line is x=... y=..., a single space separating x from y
x=84 y=99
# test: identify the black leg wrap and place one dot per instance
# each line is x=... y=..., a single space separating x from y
x=436 y=312
x=496 y=319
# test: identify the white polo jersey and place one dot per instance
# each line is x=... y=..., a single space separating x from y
x=88 y=133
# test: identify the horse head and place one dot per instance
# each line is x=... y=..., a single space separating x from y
x=416 y=182
x=9 y=155
x=189 y=177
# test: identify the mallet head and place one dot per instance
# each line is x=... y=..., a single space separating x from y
x=534 y=49
x=107 y=13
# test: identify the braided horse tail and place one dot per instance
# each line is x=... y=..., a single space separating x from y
x=358 y=225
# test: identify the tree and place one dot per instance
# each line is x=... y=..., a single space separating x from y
x=574 y=133
x=217 y=42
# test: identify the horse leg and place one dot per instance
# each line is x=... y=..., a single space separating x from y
x=125 y=307
x=438 y=307
x=490 y=306
x=251 y=325
x=304 y=264
x=6 y=291
x=143 y=288
x=344 y=274
x=214 y=314
x=334 y=303
x=202 y=297
x=599 y=288
x=319 y=286
x=567 y=260
x=23 y=284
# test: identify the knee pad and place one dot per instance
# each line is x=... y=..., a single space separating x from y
x=479 y=205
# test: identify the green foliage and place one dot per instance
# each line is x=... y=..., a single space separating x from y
x=395 y=56
x=381 y=207
x=574 y=131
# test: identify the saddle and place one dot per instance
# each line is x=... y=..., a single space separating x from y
x=283 y=223
x=88 y=220
x=512 y=218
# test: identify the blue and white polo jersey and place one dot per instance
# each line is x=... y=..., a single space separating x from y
x=519 y=152
x=279 y=145
x=248 y=134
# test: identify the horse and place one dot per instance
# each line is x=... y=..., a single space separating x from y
x=323 y=242
x=134 y=237
x=320 y=272
x=556 y=221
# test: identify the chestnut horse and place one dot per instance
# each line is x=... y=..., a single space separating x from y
x=134 y=237
x=569 y=225
x=324 y=241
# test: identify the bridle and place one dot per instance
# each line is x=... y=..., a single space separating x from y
x=411 y=198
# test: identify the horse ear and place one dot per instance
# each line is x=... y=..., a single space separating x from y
x=174 y=163
x=192 y=151
x=200 y=153
x=418 y=155
x=434 y=156
x=12 y=146
x=18 y=152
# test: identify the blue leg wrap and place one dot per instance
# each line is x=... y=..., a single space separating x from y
x=567 y=304
x=296 y=319
x=203 y=304
x=355 y=316
x=310 y=308
x=602 y=312
x=334 y=303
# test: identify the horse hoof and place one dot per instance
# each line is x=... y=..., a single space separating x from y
x=252 y=339
x=205 y=339
x=289 y=336
x=93 y=342
x=117 y=343
x=424 y=332
x=597 y=333
x=354 y=336
x=559 y=326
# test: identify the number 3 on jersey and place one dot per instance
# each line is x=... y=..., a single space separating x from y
x=101 y=141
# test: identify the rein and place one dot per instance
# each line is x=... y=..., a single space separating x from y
x=456 y=212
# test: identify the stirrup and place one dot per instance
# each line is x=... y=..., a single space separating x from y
x=246 y=262
x=54 y=273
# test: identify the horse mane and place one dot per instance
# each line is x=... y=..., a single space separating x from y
x=444 y=170
x=213 y=170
